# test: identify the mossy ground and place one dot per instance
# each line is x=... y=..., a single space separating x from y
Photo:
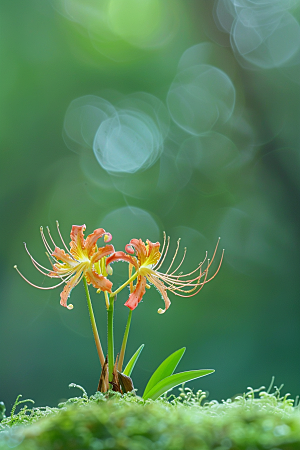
x=256 y=420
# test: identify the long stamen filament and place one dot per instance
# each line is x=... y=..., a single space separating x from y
x=61 y=238
x=45 y=242
x=160 y=263
x=41 y=287
x=34 y=261
x=52 y=240
x=175 y=254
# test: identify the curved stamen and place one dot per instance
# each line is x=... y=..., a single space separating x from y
x=45 y=242
x=220 y=263
x=175 y=254
x=180 y=262
x=41 y=287
x=51 y=238
x=176 y=285
x=163 y=247
x=186 y=274
x=163 y=256
x=180 y=275
x=182 y=282
x=34 y=261
x=177 y=290
x=68 y=251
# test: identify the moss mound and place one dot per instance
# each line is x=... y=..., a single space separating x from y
x=255 y=420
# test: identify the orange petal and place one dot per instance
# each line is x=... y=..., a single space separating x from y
x=139 y=247
x=121 y=256
x=77 y=243
x=101 y=252
x=63 y=256
x=147 y=254
x=91 y=240
x=137 y=295
x=65 y=294
x=153 y=252
x=98 y=281
x=160 y=286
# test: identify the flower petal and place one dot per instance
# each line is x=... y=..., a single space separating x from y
x=92 y=238
x=98 y=281
x=68 y=288
x=160 y=286
x=101 y=252
x=147 y=254
x=140 y=248
x=137 y=294
x=77 y=243
x=64 y=257
x=121 y=256
x=153 y=253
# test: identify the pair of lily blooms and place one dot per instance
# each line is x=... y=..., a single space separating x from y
x=86 y=259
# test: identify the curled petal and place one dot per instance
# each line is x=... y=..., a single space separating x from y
x=137 y=295
x=160 y=286
x=147 y=254
x=121 y=256
x=63 y=256
x=139 y=247
x=153 y=252
x=129 y=249
x=98 y=281
x=101 y=252
x=77 y=243
x=92 y=238
x=107 y=237
x=67 y=290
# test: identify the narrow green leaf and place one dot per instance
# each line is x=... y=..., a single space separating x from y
x=175 y=380
x=129 y=368
x=166 y=369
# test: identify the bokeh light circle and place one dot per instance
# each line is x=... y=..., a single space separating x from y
x=269 y=45
x=199 y=97
x=125 y=137
x=123 y=143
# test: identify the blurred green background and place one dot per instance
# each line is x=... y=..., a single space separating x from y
x=144 y=116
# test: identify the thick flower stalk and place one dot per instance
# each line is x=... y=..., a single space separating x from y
x=147 y=261
x=83 y=259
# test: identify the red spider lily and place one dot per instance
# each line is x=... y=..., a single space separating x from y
x=147 y=262
x=83 y=259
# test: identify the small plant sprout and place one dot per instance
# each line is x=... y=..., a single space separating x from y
x=85 y=261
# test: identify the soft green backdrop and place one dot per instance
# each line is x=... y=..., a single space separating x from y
x=239 y=181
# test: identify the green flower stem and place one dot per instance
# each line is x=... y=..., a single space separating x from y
x=133 y=277
x=106 y=299
x=110 y=336
x=93 y=323
x=124 y=343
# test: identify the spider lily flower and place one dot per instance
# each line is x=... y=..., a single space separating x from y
x=147 y=261
x=84 y=259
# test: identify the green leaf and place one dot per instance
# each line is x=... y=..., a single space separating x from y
x=174 y=380
x=166 y=368
x=129 y=368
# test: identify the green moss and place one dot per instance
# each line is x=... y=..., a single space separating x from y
x=256 y=420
